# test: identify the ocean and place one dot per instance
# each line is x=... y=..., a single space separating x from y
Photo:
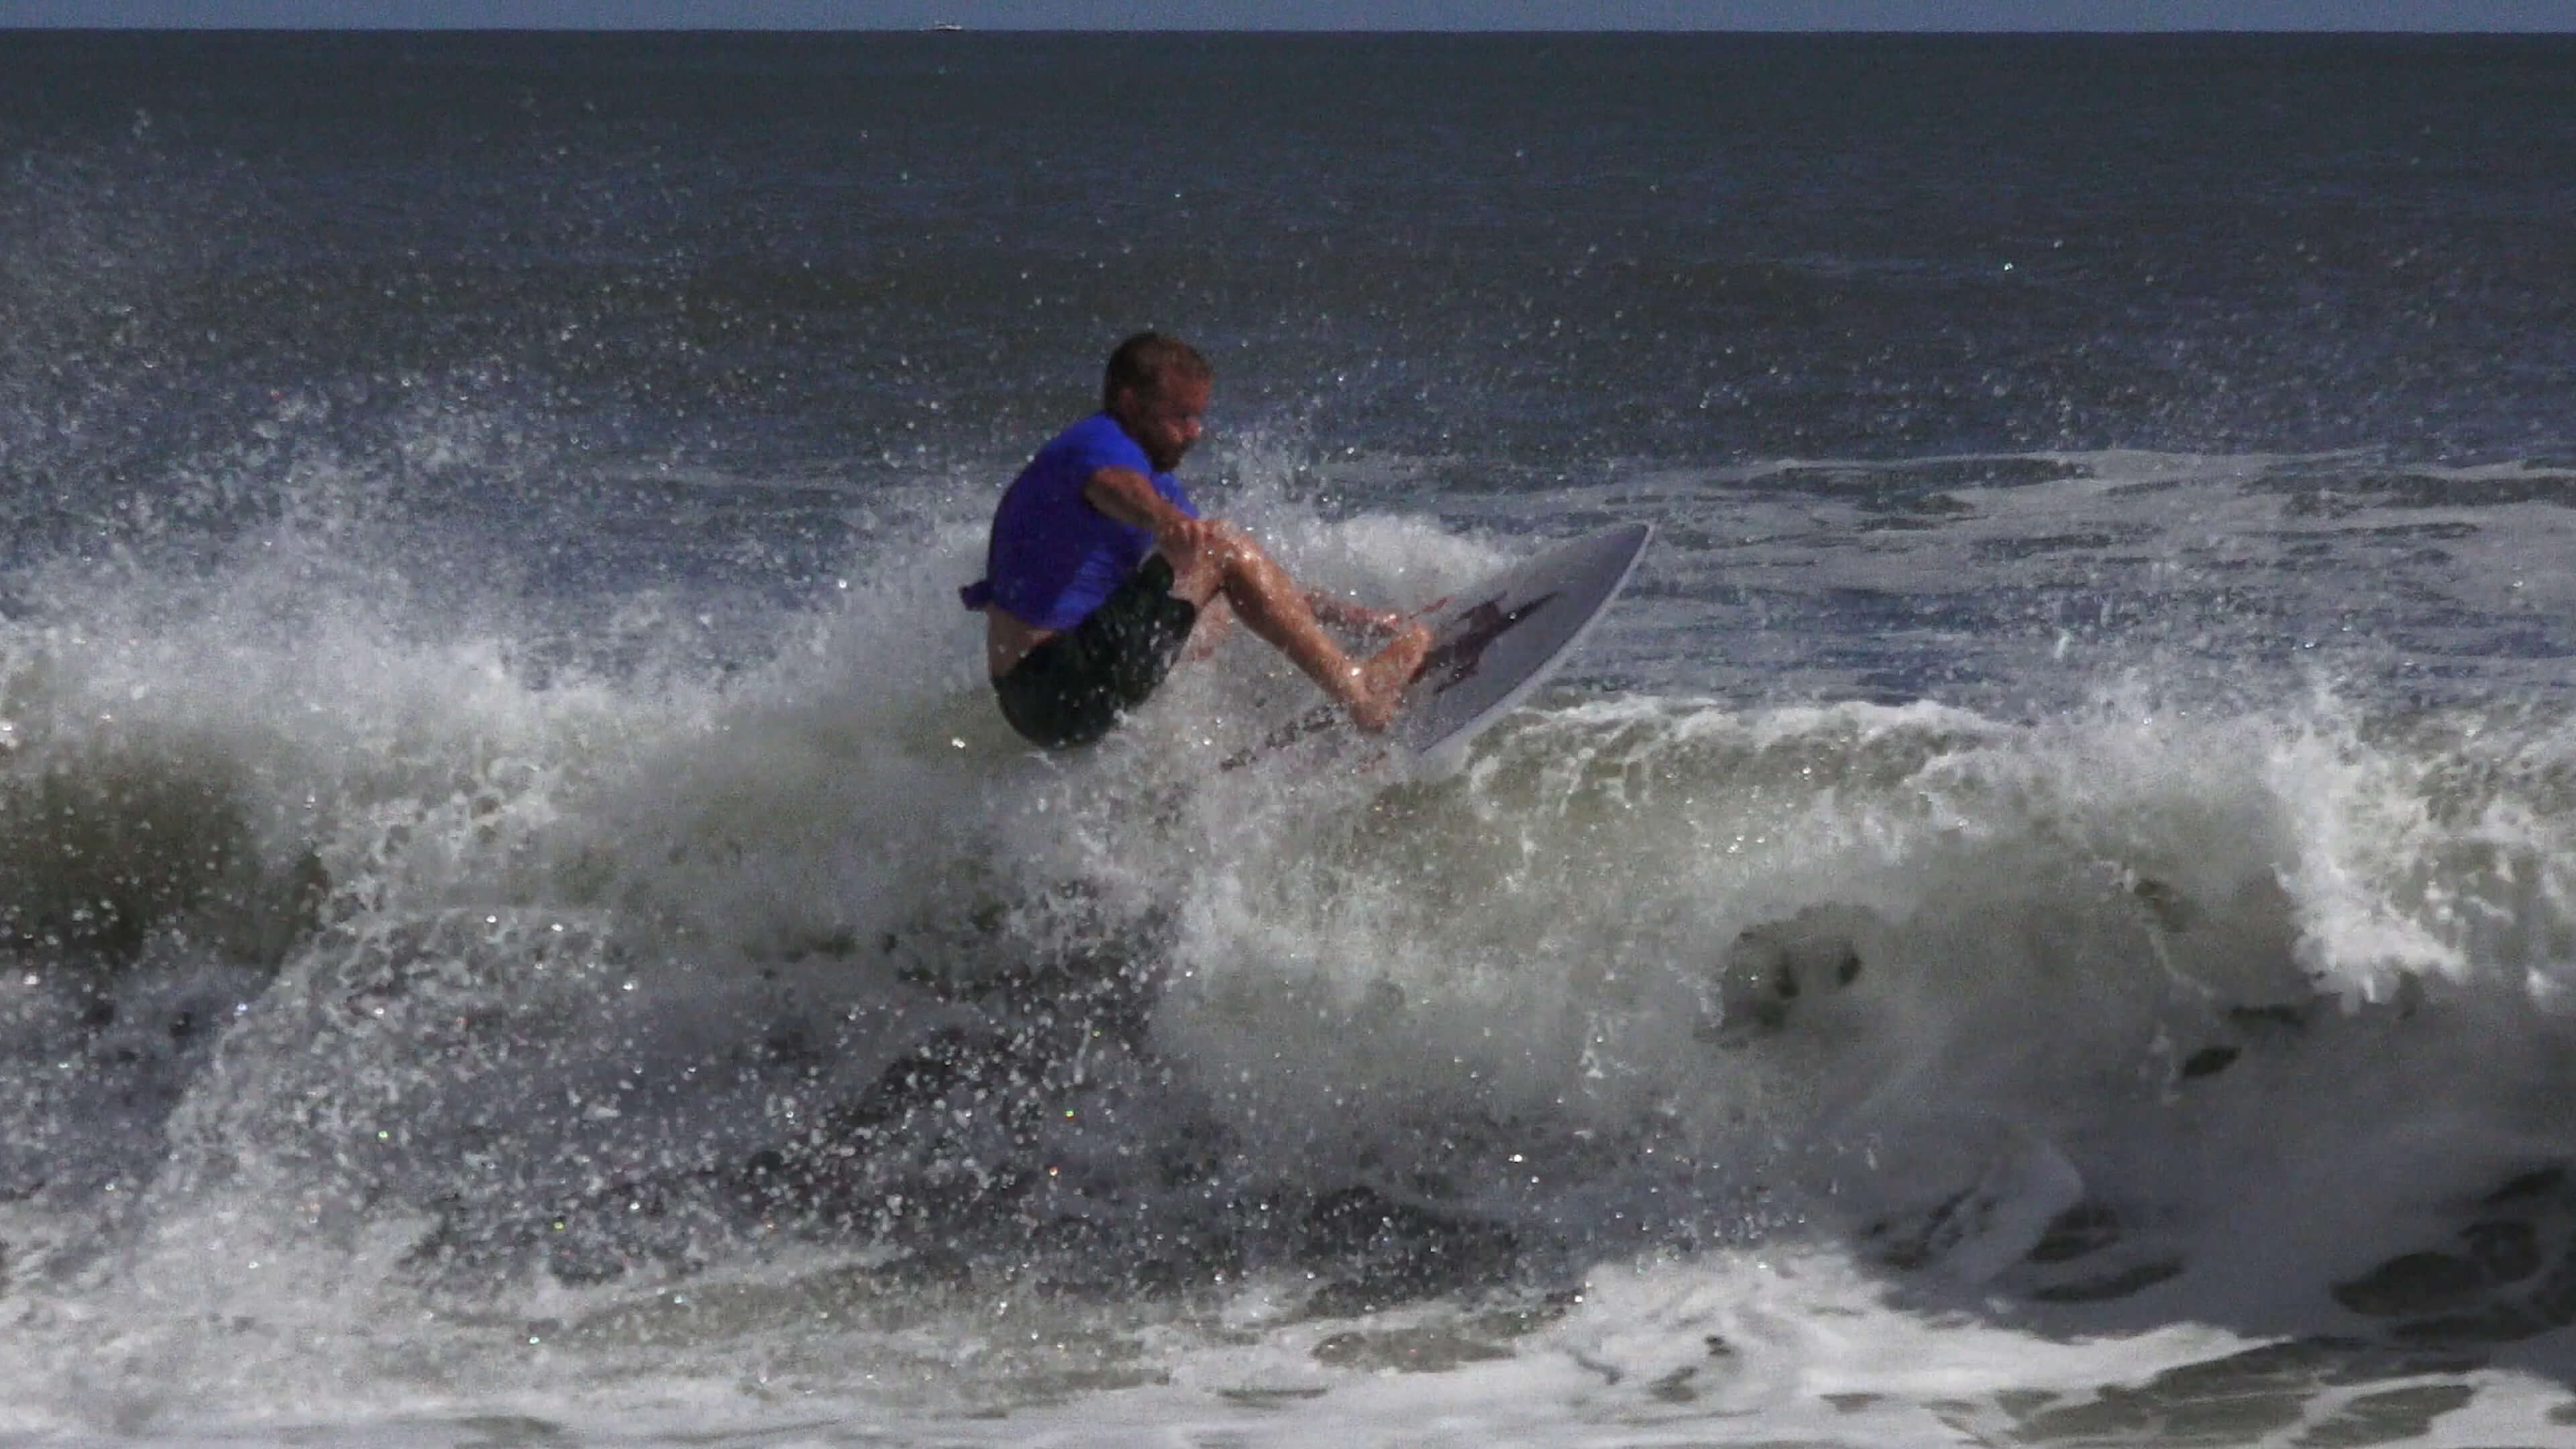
x=2045 y=916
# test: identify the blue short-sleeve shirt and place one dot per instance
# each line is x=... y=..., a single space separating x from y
x=1053 y=557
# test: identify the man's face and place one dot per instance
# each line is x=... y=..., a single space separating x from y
x=1164 y=420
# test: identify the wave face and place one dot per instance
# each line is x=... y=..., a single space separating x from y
x=361 y=979
x=2044 y=913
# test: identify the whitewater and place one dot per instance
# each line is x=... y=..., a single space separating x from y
x=411 y=1037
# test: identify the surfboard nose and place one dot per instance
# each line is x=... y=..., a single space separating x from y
x=1496 y=643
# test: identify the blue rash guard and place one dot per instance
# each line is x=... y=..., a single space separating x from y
x=1053 y=557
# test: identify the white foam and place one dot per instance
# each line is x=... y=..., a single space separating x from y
x=1552 y=993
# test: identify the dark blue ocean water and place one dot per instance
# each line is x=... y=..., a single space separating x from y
x=518 y=915
x=1536 y=251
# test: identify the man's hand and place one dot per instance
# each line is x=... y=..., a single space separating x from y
x=1180 y=535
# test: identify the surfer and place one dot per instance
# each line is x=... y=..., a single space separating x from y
x=1100 y=568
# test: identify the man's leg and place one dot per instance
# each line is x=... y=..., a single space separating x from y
x=1225 y=561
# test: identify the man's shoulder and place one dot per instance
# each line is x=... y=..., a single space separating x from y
x=1097 y=442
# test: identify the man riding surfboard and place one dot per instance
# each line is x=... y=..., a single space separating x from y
x=1100 y=569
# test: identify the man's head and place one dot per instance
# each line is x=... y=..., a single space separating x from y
x=1157 y=389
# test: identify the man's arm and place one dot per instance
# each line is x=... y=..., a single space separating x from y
x=1129 y=496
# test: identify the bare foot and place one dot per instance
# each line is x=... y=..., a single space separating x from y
x=1384 y=677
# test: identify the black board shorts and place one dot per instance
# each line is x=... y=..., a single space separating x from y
x=1071 y=689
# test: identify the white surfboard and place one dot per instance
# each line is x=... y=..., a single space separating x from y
x=1495 y=644
x=1492 y=645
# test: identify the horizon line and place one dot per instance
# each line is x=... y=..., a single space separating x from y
x=261 y=28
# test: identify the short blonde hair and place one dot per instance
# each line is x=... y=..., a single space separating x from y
x=1148 y=362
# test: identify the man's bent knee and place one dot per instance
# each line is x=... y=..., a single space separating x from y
x=1198 y=574
x=1203 y=558
x=1241 y=555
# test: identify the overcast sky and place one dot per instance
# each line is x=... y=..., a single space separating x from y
x=2445 y=15
x=1325 y=14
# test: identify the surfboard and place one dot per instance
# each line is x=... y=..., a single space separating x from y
x=1492 y=645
